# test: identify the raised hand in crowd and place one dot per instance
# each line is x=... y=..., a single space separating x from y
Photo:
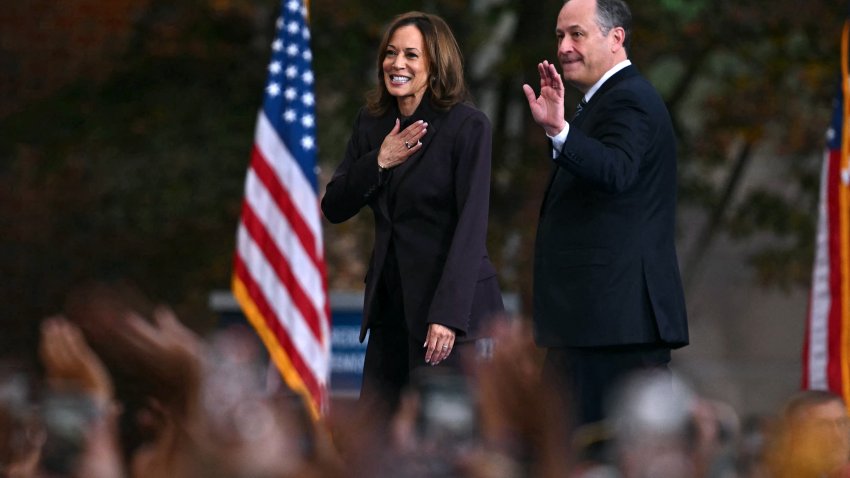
x=522 y=423
x=209 y=411
x=78 y=410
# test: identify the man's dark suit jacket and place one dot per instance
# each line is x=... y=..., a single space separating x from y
x=605 y=266
x=433 y=208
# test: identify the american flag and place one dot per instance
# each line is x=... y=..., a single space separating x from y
x=826 y=350
x=279 y=270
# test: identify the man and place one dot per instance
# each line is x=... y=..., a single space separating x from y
x=813 y=439
x=608 y=297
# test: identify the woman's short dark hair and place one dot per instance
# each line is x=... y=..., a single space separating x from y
x=446 y=84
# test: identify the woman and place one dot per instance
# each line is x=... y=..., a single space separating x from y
x=420 y=159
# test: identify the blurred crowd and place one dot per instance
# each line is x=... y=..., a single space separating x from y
x=126 y=391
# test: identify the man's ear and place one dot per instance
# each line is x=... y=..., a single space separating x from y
x=617 y=37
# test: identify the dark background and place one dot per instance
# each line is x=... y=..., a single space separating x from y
x=126 y=128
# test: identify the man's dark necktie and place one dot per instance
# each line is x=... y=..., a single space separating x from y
x=581 y=105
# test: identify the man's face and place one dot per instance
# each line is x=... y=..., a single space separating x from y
x=830 y=423
x=584 y=52
x=819 y=438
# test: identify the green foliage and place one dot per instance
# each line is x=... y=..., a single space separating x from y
x=686 y=10
x=139 y=175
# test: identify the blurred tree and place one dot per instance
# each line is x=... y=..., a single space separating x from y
x=740 y=82
x=139 y=175
x=744 y=83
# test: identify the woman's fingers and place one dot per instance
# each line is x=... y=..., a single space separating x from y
x=398 y=146
x=415 y=131
x=438 y=343
x=411 y=137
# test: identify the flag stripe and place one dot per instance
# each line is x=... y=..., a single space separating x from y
x=279 y=269
x=298 y=196
x=283 y=346
x=295 y=371
x=822 y=359
x=269 y=290
x=826 y=359
x=286 y=171
x=816 y=348
x=284 y=272
x=844 y=220
x=275 y=192
x=833 y=323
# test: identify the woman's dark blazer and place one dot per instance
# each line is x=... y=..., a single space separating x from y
x=433 y=207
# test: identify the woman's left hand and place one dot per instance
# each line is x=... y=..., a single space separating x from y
x=438 y=343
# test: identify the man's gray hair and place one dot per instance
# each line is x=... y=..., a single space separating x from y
x=615 y=13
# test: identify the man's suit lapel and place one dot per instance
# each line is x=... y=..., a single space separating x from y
x=587 y=111
x=576 y=124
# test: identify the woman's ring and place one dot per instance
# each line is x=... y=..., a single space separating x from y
x=407 y=145
x=445 y=347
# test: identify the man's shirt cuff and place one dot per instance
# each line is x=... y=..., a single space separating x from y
x=558 y=141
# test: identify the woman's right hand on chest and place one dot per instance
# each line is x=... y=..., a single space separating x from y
x=400 y=145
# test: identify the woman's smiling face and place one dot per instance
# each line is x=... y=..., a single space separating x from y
x=406 y=66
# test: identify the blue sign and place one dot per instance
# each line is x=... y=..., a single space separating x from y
x=347 y=353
